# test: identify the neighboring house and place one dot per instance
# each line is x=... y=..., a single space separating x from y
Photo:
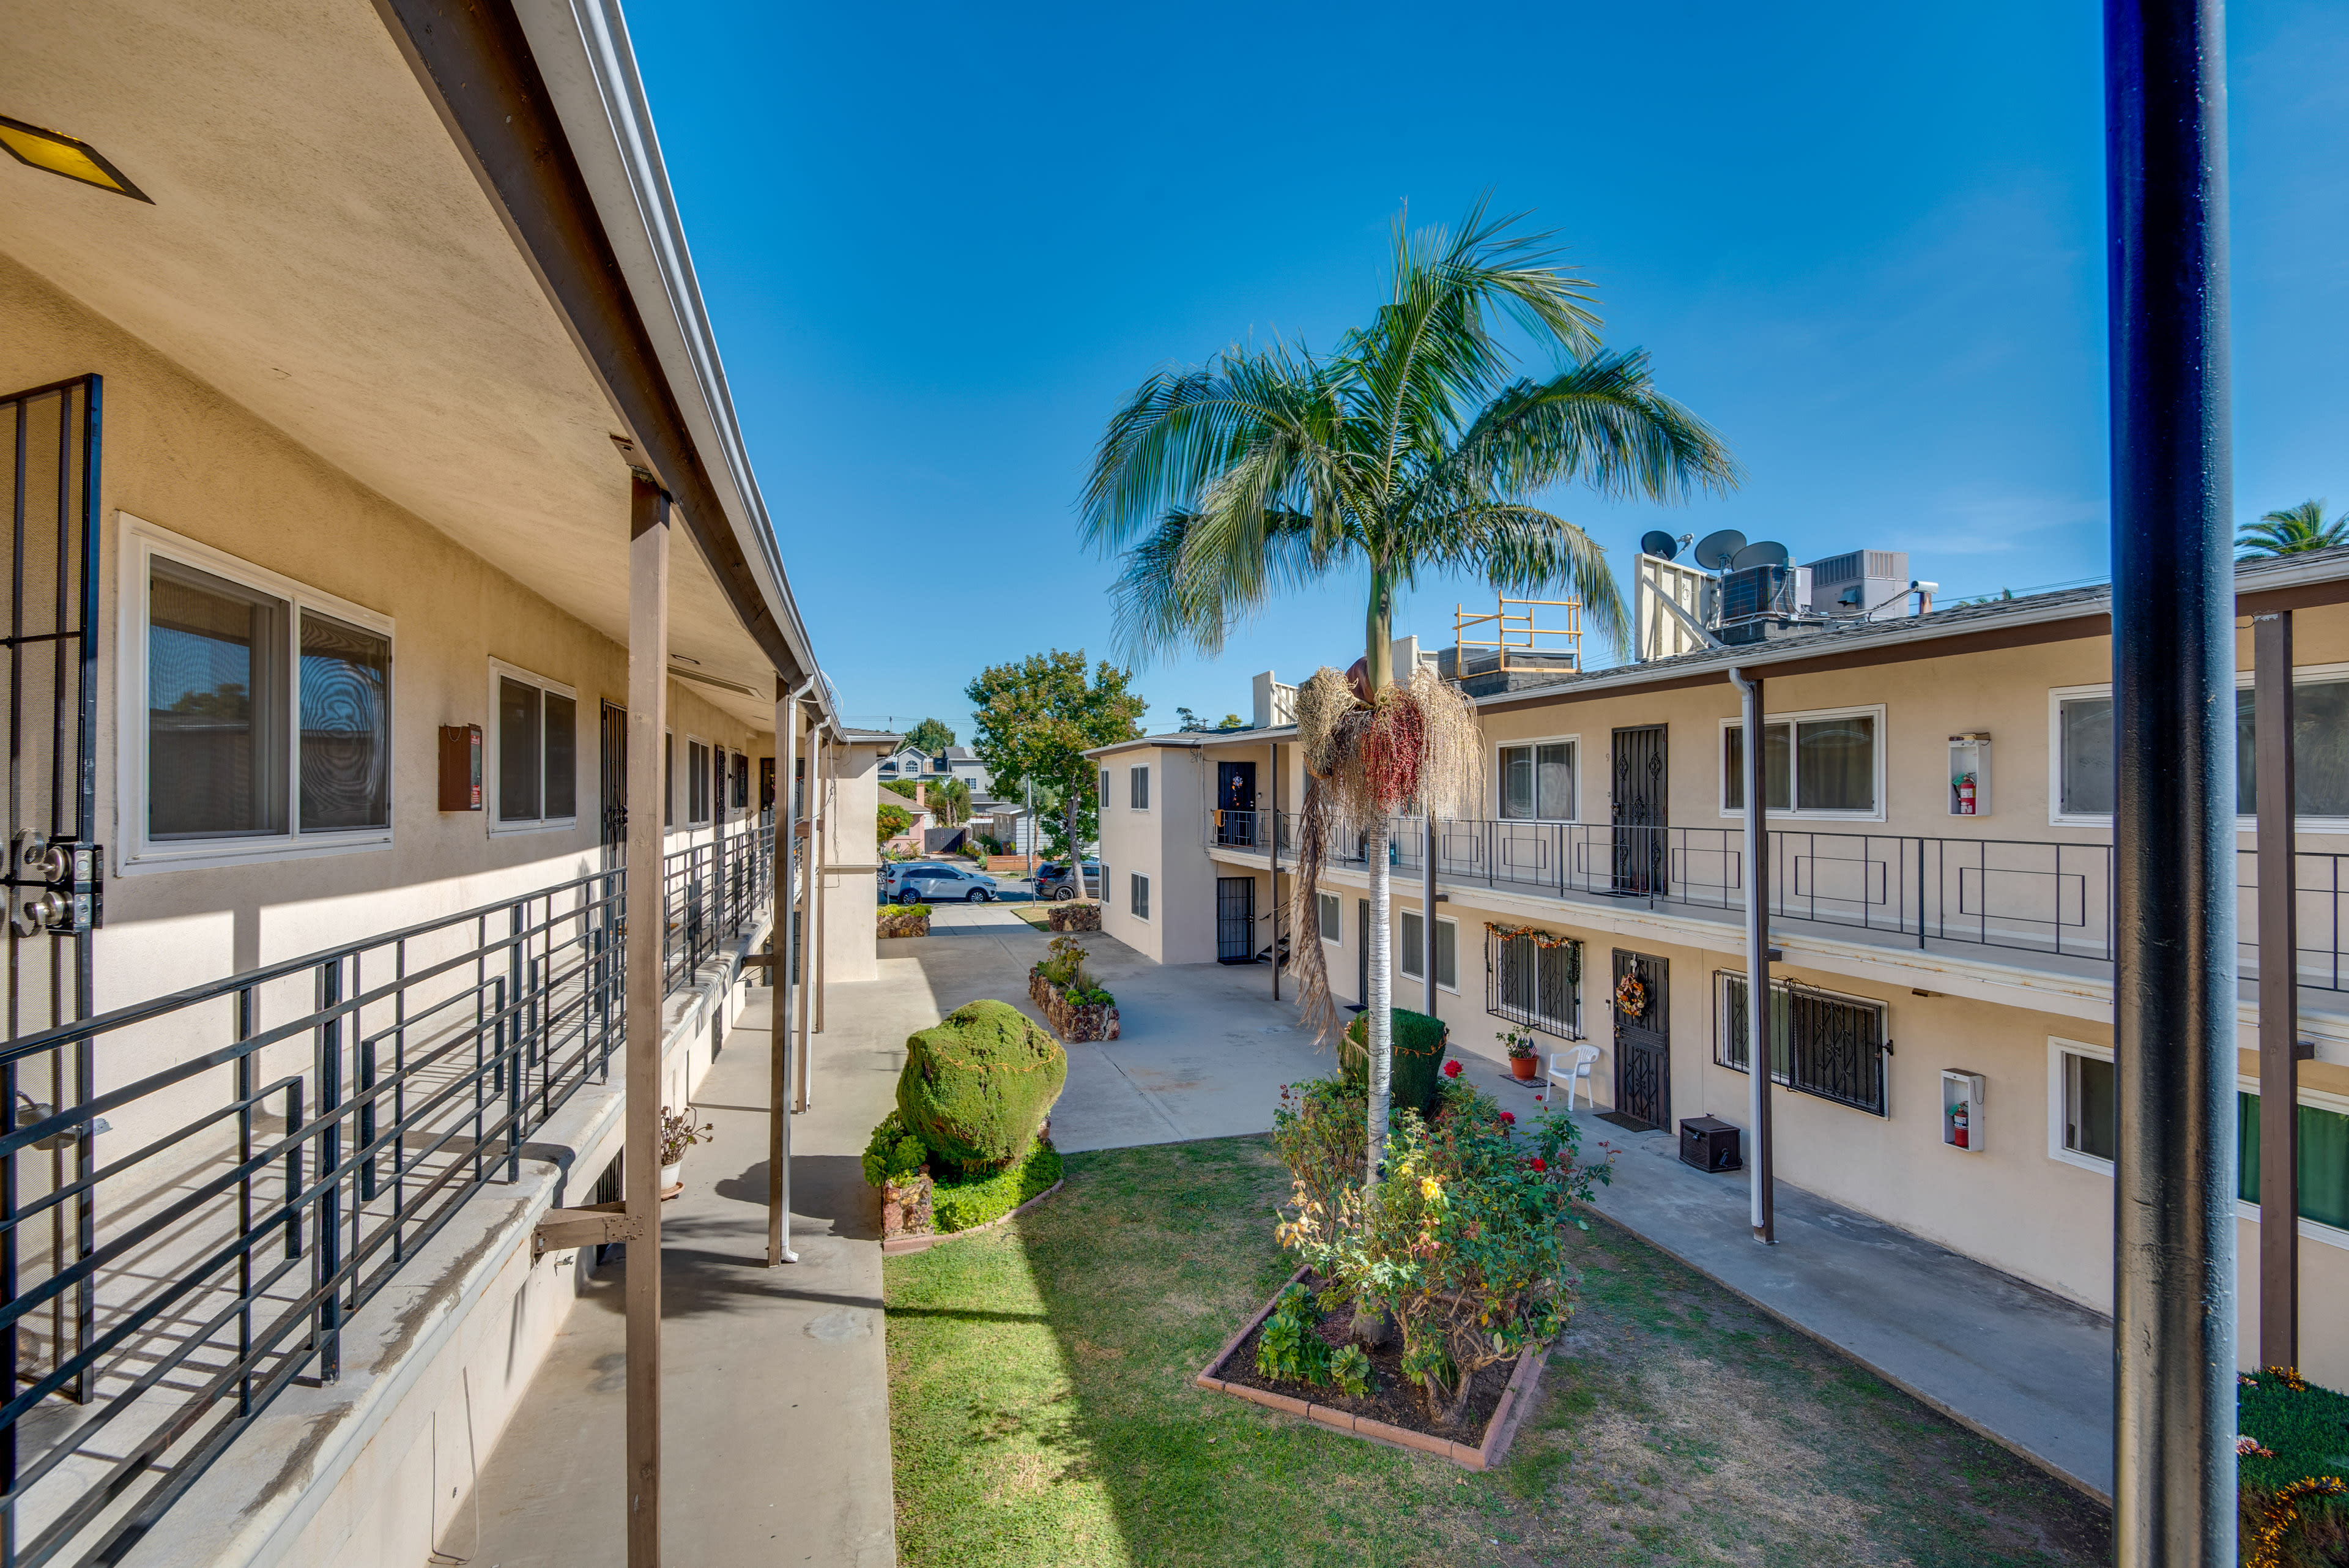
x=1941 y=876
x=910 y=761
x=354 y=399
x=922 y=818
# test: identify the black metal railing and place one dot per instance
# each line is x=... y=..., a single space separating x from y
x=1250 y=831
x=274 y=1149
x=2039 y=897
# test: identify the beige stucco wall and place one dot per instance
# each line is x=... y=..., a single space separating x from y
x=181 y=457
x=847 y=928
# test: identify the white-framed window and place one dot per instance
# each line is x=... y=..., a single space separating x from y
x=1828 y=762
x=268 y=711
x=2083 y=1129
x=1329 y=923
x=1447 y=950
x=1539 y=983
x=696 y=783
x=1105 y=789
x=1137 y=895
x=1822 y=1042
x=2081 y=751
x=1539 y=780
x=532 y=766
x=1137 y=788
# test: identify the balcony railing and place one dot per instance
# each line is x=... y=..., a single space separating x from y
x=276 y=1146
x=2050 y=900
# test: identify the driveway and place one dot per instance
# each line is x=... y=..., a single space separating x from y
x=1203 y=1052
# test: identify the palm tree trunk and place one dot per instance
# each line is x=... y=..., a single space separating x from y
x=1379 y=1014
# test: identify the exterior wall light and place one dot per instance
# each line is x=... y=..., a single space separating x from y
x=38 y=148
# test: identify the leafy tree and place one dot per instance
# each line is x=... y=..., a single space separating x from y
x=891 y=821
x=1232 y=722
x=899 y=786
x=1412 y=447
x=932 y=736
x=1038 y=717
x=2290 y=530
x=949 y=801
x=1186 y=721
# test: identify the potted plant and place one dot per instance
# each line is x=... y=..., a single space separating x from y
x=678 y=1135
x=1520 y=1042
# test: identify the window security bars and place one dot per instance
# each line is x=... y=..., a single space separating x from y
x=1821 y=1044
x=281 y=1144
x=1536 y=985
x=2050 y=898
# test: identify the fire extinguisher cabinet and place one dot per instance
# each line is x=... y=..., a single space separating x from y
x=1961 y=1110
x=1970 y=774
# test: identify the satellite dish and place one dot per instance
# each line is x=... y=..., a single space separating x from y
x=1715 y=551
x=1760 y=553
x=1657 y=543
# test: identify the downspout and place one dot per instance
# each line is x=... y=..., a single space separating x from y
x=786 y=928
x=1758 y=1173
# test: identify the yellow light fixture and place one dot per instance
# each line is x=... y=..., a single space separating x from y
x=76 y=160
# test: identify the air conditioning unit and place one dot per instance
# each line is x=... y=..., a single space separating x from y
x=1771 y=590
x=1872 y=584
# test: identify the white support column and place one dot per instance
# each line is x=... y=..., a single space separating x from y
x=819 y=857
x=649 y=543
x=786 y=928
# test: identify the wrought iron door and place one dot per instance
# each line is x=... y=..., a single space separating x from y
x=1643 y=1039
x=1639 y=814
x=1234 y=919
x=1236 y=803
x=615 y=777
x=49 y=444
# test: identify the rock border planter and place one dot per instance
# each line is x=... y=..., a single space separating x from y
x=1075 y=917
x=904 y=925
x=1094 y=1020
x=922 y=1241
x=1499 y=1431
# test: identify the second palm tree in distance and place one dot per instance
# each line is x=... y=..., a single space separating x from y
x=1415 y=446
x=2290 y=530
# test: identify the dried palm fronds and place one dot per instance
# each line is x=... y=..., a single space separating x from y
x=1322 y=703
x=1451 y=765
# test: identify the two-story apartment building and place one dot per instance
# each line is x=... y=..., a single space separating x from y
x=1940 y=787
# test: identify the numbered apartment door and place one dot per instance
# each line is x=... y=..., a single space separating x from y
x=1643 y=1039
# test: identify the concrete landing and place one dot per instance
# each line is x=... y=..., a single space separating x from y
x=2025 y=1368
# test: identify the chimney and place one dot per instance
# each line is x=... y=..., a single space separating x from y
x=921 y=792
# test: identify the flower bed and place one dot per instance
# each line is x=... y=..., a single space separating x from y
x=1386 y=1411
x=1075 y=1020
x=905 y=921
x=2292 y=1469
x=1075 y=917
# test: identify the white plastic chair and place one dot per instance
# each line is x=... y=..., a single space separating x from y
x=1572 y=1067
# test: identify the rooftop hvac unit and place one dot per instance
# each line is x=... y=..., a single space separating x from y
x=1870 y=583
x=1765 y=591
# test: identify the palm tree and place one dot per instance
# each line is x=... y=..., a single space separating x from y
x=1412 y=448
x=2290 y=530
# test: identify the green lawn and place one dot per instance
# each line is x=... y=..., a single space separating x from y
x=1042 y=1413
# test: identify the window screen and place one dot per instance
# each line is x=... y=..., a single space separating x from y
x=2324 y=1160
x=2084 y=729
x=216 y=677
x=521 y=762
x=2091 y=1116
x=1331 y=929
x=1139 y=895
x=1776 y=777
x=1538 y=782
x=1138 y=789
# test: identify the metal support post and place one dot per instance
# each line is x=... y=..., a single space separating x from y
x=2278 y=993
x=1760 y=1178
x=819 y=814
x=778 y=1023
x=1427 y=910
x=803 y=995
x=2174 y=994
x=1276 y=965
x=648 y=542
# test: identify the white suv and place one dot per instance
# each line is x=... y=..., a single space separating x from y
x=938 y=882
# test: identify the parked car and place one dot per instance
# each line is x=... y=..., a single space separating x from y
x=938 y=882
x=1052 y=880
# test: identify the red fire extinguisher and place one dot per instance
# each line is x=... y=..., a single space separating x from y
x=1965 y=795
x=1958 y=1126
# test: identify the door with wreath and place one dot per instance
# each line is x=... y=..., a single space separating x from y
x=1643 y=1043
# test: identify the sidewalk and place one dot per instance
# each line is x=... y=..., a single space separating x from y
x=2025 y=1368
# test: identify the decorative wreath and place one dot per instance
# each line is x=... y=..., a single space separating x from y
x=1630 y=996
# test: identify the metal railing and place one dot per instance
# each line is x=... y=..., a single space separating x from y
x=276 y=1146
x=2031 y=896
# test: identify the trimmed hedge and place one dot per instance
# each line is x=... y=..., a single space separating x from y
x=961 y=1205
x=1417 y=1069
x=978 y=1085
x=2295 y=1505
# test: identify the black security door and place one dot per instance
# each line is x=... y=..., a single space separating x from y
x=1639 y=816
x=615 y=776
x=1643 y=1042
x=1234 y=919
x=54 y=866
x=1235 y=799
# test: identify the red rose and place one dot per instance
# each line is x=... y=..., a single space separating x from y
x=1509 y=1117
x=1539 y=1163
x=1452 y=1069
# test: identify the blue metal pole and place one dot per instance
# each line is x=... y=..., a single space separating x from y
x=2173 y=826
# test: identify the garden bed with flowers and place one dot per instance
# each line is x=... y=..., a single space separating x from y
x=905 y=921
x=1077 y=1006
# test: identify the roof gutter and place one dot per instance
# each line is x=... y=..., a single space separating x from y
x=477 y=65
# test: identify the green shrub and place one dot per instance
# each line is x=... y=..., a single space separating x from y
x=1417 y=1068
x=978 y=1085
x=893 y=1154
x=1350 y=1369
x=960 y=1205
x=1288 y=1348
x=975 y=851
x=889 y=911
x=2291 y=1482
x=1321 y=1132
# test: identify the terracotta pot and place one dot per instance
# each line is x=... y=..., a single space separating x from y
x=1523 y=1067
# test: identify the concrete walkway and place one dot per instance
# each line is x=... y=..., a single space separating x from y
x=2025 y=1368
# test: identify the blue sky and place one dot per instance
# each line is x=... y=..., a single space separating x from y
x=1865 y=242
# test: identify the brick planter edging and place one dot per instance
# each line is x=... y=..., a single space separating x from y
x=897 y=1246
x=1090 y=1021
x=1073 y=916
x=1499 y=1431
x=904 y=925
